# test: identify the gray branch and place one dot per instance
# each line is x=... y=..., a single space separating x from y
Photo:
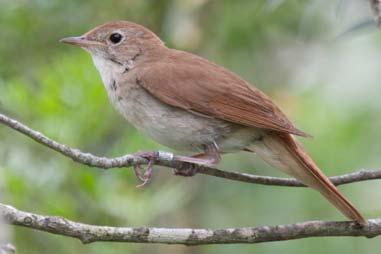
x=90 y=233
x=169 y=160
x=188 y=236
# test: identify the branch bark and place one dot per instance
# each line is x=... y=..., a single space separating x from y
x=90 y=233
x=169 y=160
x=187 y=236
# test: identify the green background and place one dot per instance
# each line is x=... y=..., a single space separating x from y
x=325 y=79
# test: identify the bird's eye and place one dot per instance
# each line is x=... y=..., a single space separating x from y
x=115 y=38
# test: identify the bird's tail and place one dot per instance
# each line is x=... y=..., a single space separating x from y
x=284 y=152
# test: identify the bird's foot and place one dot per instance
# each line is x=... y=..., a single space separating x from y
x=185 y=170
x=211 y=157
x=145 y=175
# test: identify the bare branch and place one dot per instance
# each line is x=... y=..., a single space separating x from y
x=169 y=160
x=188 y=236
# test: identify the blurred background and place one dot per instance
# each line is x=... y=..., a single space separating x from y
x=316 y=59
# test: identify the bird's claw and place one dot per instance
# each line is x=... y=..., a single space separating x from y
x=145 y=175
x=185 y=170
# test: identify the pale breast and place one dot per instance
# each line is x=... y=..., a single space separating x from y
x=170 y=126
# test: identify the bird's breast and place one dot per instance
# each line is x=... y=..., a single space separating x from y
x=168 y=125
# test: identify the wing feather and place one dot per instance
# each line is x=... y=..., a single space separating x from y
x=192 y=83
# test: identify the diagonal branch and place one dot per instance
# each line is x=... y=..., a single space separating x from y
x=90 y=233
x=169 y=160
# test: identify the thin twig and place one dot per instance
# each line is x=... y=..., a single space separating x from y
x=188 y=236
x=169 y=160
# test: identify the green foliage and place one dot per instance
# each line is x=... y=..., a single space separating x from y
x=55 y=89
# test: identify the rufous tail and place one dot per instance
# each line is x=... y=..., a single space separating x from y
x=284 y=152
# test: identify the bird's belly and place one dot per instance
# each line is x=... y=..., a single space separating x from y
x=177 y=128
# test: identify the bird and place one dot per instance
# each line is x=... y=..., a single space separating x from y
x=188 y=103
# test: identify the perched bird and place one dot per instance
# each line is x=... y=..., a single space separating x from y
x=188 y=103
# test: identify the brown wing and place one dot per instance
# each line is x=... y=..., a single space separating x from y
x=190 y=82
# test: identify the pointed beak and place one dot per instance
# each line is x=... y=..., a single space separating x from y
x=80 y=41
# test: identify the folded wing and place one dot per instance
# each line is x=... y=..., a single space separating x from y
x=192 y=83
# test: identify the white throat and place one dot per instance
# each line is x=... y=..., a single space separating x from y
x=107 y=69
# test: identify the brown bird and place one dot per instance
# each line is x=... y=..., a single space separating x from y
x=188 y=103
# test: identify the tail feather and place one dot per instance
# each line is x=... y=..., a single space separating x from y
x=284 y=152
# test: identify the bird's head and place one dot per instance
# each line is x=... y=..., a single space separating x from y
x=117 y=41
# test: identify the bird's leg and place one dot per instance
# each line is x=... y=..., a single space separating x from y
x=145 y=176
x=210 y=157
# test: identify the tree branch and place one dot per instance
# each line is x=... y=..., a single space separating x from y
x=90 y=233
x=169 y=160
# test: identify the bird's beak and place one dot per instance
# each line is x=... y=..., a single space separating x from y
x=80 y=41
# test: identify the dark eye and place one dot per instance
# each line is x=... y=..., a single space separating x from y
x=115 y=38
